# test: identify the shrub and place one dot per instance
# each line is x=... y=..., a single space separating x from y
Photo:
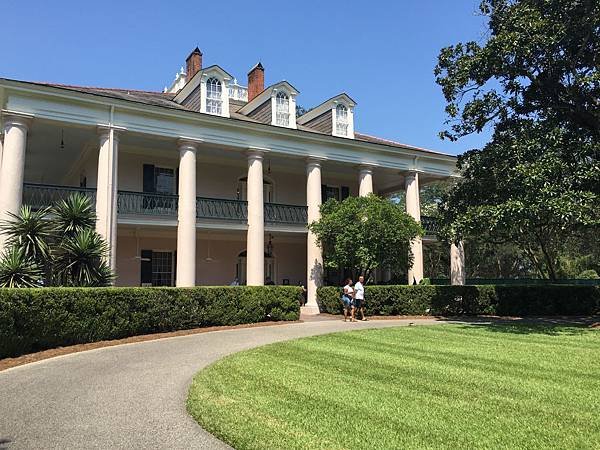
x=37 y=319
x=470 y=300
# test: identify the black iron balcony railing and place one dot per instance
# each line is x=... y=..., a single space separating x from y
x=147 y=203
x=39 y=196
x=285 y=214
x=431 y=225
x=218 y=208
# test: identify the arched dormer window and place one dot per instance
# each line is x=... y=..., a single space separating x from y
x=214 y=102
x=282 y=109
x=341 y=120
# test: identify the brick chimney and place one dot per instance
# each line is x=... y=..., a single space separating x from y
x=256 y=81
x=193 y=63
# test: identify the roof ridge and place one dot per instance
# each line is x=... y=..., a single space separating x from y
x=99 y=87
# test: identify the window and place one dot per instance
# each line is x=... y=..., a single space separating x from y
x=214 y=102
x=341 y=120
x=240 y=268
x=242 y=190
x=164 y=180
x=282 y=109
x=162 y=268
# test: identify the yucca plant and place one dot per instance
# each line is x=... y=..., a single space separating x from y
x=79 y=260
x=57 y=246
x=73 y=215
x=30 y=231
x=17 y=270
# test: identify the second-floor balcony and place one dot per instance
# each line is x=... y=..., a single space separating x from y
x=163 y=205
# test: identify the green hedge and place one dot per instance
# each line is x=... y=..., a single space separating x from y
x=503 y=300
x=37 y=319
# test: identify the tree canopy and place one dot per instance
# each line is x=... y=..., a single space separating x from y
x=536 y=81
x=365 y=233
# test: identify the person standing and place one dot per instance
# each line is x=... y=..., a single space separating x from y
x=359 y=297
x=348 y=300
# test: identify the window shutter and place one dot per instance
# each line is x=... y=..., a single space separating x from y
x=177 y=181
x=323 y=193
x=149 y=182
x=146 y=266
x=345 y=192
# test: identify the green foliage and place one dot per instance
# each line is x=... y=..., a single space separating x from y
x=61 y=242
x=363 y=233
x=79 y=260
x=73 y=215
x=590 y=274
x=18 y=270
x=470 y=300
x=37 y=319
x=30 y=231
x=536 y=81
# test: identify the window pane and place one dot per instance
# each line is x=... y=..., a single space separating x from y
x=213 y=96
x=162 y=268
x=282 y=109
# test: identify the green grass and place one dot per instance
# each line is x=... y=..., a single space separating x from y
x=497 y=386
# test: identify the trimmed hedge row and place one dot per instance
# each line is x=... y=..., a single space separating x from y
x=37 y=319
x=502 y=300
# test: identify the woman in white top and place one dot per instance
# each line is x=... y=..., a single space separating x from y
x=348 y=300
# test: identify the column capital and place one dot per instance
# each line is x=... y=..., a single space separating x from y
x=256 y=152
x=315 y=161
x=188 y=143
x=104 y=130
x=16 y=119
x=367 y=167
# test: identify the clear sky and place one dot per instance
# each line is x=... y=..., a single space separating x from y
x=382 y=53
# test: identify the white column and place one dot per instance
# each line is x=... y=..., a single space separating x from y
x=186 y=216
x=106 y=191
x=314 y=254
x=413 y=208
x=457 y=263
x=13 y=167
x=255 y=246
x=365 y=181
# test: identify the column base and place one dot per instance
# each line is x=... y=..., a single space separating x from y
x=309 y=310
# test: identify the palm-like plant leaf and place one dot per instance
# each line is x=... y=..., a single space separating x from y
x=17 y=270
x=30 y=231
x=81 y=260
x=73 y=215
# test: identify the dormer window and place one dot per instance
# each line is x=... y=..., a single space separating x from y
x=341 y=120
x=214 y=93
x=282 y=109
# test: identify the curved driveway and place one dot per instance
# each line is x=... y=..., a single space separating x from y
x=129 y=396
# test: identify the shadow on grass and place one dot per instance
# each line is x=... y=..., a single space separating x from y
x=537 y=325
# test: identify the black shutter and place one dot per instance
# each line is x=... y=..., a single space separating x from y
x=146 y=266
x=323 y=193
x=174 y=268
x=177 y=181
x=345 y=192
x=149 y=182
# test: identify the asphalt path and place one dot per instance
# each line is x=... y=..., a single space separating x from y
x=131 y=396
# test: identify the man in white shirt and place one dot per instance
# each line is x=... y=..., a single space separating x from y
x=359 y=297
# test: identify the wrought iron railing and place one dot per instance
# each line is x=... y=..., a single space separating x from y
x=154 y=204
x=147 y=203
x=430 y=224
x=288 y=214
x=39 y=196
x=223 y=209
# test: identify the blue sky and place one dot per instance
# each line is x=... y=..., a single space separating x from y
x=382 y=53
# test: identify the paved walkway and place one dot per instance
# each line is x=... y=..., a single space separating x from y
x=133 y=395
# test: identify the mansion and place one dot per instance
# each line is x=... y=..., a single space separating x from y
x=208 y=182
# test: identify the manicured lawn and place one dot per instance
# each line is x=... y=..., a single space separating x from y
x=496 y=386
